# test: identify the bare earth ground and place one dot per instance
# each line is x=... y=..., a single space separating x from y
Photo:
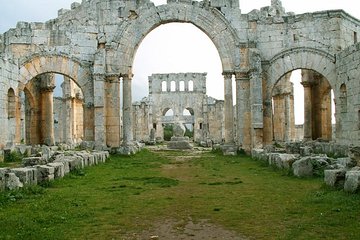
x=188 y=229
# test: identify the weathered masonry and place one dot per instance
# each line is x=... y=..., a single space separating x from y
x=95 y=42
x=183 y=95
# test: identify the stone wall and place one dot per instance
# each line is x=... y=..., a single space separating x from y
x=179 y=92
x=94 y=44
x=348 y=103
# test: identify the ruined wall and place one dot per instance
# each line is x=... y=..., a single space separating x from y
x=179 y=92
x=95 y=42
x=348 y=101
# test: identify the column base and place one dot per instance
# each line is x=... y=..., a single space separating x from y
x=130 y=148
x=229 y=149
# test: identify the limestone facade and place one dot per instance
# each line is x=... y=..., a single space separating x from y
x=184 y=95
x=94 y=44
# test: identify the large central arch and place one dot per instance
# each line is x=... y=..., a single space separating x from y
x=211 y=21
x=143 y=20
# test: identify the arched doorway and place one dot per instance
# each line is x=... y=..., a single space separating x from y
x=38 y=83
x=218 y=30
x=315 y=108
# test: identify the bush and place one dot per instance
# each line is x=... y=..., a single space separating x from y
x=168 y=132
x=12 y=156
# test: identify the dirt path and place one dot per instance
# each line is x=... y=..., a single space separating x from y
x=187 y=229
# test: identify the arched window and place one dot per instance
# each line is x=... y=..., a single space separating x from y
x=182 y=86
x=173 y=86
x=191 y=86
x=343 y=98
x=11 y=103
x=164 y=86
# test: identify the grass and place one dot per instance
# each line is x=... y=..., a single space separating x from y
x=128 y=194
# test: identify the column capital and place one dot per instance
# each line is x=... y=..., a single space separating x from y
x=242 y=75
x=306 y=84
x=48 y=88
x=112 y=78
x=127 y=76
x=227 y=74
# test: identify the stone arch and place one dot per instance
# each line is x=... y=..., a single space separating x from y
x=211 y=21
x=287 y=61
x=79 y=72
x=301 y=58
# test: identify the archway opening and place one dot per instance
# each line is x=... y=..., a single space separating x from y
x=303 y=107
x=178 y=48
x=189 y=122
x=175 y=48
x=168 y=123
x=53 y=110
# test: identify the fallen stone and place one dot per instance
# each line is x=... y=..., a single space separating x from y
x=346 y=162
x=335 y=177
x=59 y=169
x=354 y=154
x=12 y=182
x=283 y=161
x=352 y=181
x=32 y=161
x=45 y=173
x=179 y=145
x=3 y=171
x=28 y=176
x=303 y=167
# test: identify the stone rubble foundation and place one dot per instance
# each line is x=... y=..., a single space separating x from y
x=51 y=165
x=312 y=159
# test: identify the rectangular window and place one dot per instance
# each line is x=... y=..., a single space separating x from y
x=355 y=37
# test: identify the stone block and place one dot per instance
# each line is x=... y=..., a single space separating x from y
x=352 y=181
x=346 y=162
x=32 y=161
x=12 y=182
x=59 y=169
x=28 y=176
x=74 y=162
x=65 y=164
x=45 y=173
x=3 y=171
x=281 y=160
x=335 y=177
x=303 y=167
x=179 y=145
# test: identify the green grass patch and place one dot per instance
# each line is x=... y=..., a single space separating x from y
x=129 y=194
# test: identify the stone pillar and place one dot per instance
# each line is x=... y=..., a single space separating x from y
x=306 y=78
x=89 y=121
x=112 y=106
x=127 y=114
x=228 y=109
x=243 y=114
x=287 y=132
x=99 y=109
x=47 y=117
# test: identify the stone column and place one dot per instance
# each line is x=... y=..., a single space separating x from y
x=306 y=75
x=47 y=114
x=112 y=105
x=99 y=109
x=228 y=108
x=243 y=121
x=127 y=114
x=287 y=132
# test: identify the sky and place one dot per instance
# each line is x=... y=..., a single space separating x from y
x=171 y=47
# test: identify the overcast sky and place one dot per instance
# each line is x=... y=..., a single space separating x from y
x=172 y=47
